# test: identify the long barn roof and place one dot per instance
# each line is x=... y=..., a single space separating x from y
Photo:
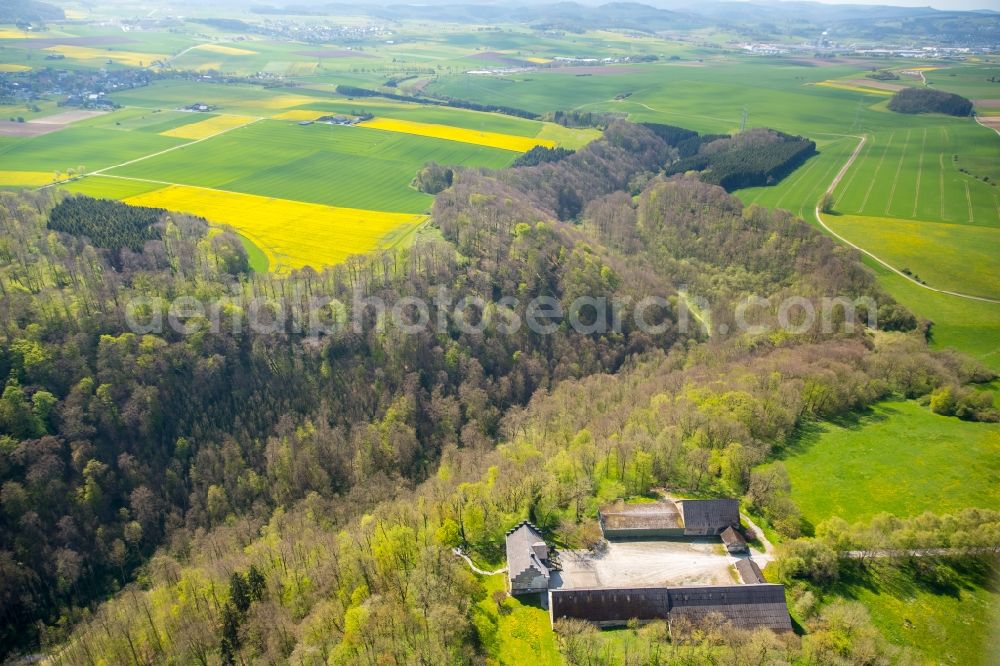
x=744 y=606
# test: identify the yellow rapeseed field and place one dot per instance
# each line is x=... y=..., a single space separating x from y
x=122 y=57
x=11 y=67
x=853 y=88
x=26 y=178
x=14 y=33
x=518 y=144
x=207 y=127
x=300 y=114
x=283 y=101
x=292 y=234
x=224 y=50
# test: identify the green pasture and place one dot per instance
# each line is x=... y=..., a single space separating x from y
x=341 y=166
x=956 y=257
x=898 y=457
x=954 y=623
x=106 y=187
x=970 y=81
x=72 y=147
x=969 y=326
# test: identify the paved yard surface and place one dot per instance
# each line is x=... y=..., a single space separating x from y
x=647 y=563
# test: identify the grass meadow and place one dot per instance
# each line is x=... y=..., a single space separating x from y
x=954 y=623
x=518 y=629
x=957 y=257
x=899 y=457
x=72 y=147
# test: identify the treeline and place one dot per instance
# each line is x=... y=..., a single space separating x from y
x=928 y=100
x=687 y=142
x=107 y=224
x=355 y=91
x=576 y=118
x=541 y=154
x=838 y=543
x=753 y=158
x=433 y=178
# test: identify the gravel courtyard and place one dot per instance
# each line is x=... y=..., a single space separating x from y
x=647 y=563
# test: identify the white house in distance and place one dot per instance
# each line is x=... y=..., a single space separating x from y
x=527 y=560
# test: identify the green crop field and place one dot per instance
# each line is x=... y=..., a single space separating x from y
x=73 y=147
x=958 y=257
x=341 y=166
x=852 y=469
x=972 y=327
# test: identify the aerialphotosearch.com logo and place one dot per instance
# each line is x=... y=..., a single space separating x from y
x=317 y=316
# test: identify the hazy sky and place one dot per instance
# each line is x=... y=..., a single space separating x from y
x=937 y=4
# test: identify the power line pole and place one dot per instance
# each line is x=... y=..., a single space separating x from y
x=746 y=116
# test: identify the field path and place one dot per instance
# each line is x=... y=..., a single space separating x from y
x=458 y=551
x=987 y=126
x=878 y=170
x=862 y=140
x=99 y=172
x=899 y=169
x=920 y=174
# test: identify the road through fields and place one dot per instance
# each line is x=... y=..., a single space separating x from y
x=862 y=140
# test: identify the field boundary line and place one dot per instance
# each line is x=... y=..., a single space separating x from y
x=862 y=140
x=941 y=183
x=878 y=170
x=920 y=174
x=899 y=170
x=676 y=113
x=987 y=126
x=850 y=181
x=968 y=200
x=100 y=172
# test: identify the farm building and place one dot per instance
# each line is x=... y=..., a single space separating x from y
x=749 y=572
x=641 y=521
x=733 y=540
x=527 y=560
x=744 y=606
x=668 y=519
x=709 y=517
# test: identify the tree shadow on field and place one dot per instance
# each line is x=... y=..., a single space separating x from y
x=810 y=431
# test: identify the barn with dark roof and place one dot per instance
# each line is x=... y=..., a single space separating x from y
x=742 y=606
x=709 y=517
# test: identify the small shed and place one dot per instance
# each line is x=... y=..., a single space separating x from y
x=749 y=572
x=733 y=540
